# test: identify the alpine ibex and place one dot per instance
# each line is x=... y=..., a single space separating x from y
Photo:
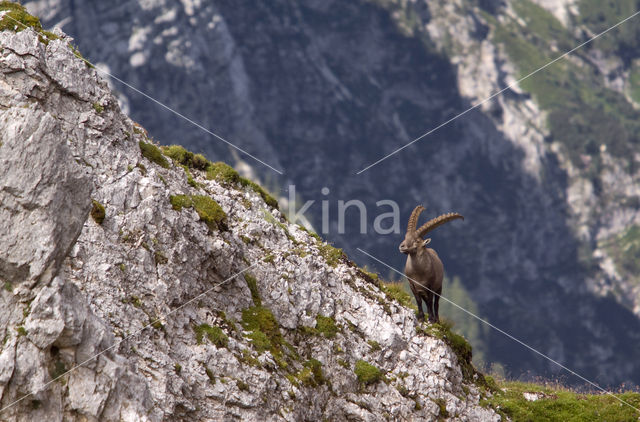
x=424 y=269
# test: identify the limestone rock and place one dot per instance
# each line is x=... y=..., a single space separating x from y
x=150 y=314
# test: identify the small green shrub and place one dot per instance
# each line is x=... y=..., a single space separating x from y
x=156 y=323
x=215 y=335
x=153 y=154
x=97 y=211
x=367 y=373
x=259 y=318
x=177 y=367
x=143 y=169
x=375 y=346
x=135 y=301
x=98 y=107
x=8 y=286
x=21 y=330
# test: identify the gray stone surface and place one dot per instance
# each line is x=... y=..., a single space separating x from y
x=322 y=88
x=77 y=289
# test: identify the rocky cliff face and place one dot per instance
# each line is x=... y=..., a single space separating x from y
x=143 y=287
x=545 y=174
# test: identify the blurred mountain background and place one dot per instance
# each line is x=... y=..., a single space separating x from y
x=546 y=173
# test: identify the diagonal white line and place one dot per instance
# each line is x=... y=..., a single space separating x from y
x=199 y=126
x=503 y=332
x=497 y=93
x=116 y=344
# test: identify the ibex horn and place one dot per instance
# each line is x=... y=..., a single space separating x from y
x=413 y=220
x=436 y=222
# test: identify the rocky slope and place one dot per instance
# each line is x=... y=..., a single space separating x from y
x=179 y=291
x=545 y=174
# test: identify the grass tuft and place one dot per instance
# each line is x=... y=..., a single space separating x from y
x=557 y=403
x=397 y=292
x=252 y=283
x=326 y=326
x=153 y=154
x=332 y=255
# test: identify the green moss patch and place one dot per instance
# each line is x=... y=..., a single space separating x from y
x=332 y=255
x=259 y=318
x=367 y=373
x=224 y=173
x=252 y=283
x=556 y=403
x=218 y=171
x=266 y=197
x=97 y=212
x=326 y=326
x=311 y=374
x=18 y=19
x=153 y=154
x=215 y=335
x=265 y=333
x=375 y=346
x=209 y=210
x=399 y=293
x=178 y=154
x=178 y=202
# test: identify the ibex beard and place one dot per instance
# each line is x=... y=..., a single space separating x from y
x=424 y=269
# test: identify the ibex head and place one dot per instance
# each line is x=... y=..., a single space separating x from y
x=413 y=239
